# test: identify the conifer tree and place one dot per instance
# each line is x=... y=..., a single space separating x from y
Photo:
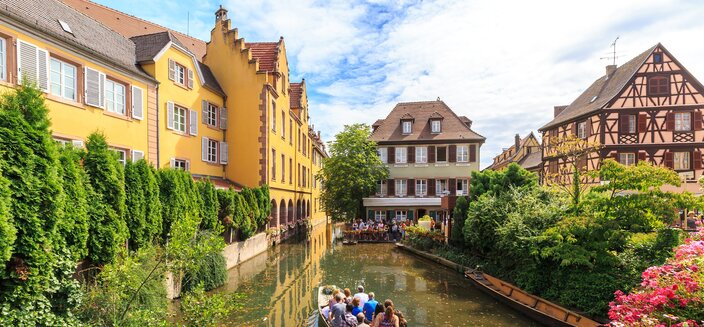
x=210 y=207
x=7 y=229
x=136 y=207
x=72 y=231
x=151 y=200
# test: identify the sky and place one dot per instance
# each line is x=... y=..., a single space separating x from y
x=503 y=64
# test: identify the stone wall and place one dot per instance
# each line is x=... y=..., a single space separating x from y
x=239 y=252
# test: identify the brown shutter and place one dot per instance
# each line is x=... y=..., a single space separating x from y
x=431 y=154
x=697 y=117
x=452 y=156
x=453 y=186
x=670 y=121
x=615 y=156
x=589 y=127
x=472 y=153
x=391 y=154
x=431 y=187
x=669 y=159
x=623 y=124
x=411 y=183
x=641 y=156
x=574 y=128
x=642 y=123
x=411 y=155
x=391 y=185
x=697 y=159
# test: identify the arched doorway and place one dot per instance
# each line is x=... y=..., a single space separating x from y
x=298 y=209
x=290 y=211
x=282 y=213
x=274 y=218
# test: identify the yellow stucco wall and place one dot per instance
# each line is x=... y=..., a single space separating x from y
x=74 y=120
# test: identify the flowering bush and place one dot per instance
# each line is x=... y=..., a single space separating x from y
x=669 y=295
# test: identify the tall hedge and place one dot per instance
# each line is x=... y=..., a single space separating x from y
x=179 y=198
x=72 y=231
x=210 y=207
x=7 y=229
x=250 y=198
x=243 y=217
x=262 y=195
x=108 y=230
x=152 y=214
x=136 y=207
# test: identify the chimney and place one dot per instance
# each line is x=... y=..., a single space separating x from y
x=558 y=110
x=518 y=142
x=610 y=69
x=221 y=14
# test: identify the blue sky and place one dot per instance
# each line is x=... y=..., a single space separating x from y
x=503 y=64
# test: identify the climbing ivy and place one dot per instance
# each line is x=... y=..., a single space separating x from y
x=108 y=230
x=72 y=231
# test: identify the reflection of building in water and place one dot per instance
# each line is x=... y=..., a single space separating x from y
x=298 y=272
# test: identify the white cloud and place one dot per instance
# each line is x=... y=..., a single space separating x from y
x=503 y=64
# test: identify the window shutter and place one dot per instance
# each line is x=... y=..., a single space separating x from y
x=431 y=187
x=391 y=155
x=453 y=153
x=697 y=117
x=172 y=163
x=453 y=186
x=43 y=70
x=204 y=111
x=137 y=155
x=670 y=121
x=224 y=154
x=190 y=79
x=391 y=185
x=193 y=122
x=623 y=124
x=26 y=62
x=641 y=156
x=137 y=103
x=188 y=165
x=92 y=87
x=472 y=153
x=223 y=118
x=172 y=70
x=574 y=128
x=697 y=159
x=431 y=154
x=411 y=184
x=204 y=149
x=589 y=127
x=669 y=159
x=170 y=115
x=642 y=123
x=411 y=155
x=77 y=144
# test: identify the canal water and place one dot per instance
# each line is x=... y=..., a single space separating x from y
x=281 y=285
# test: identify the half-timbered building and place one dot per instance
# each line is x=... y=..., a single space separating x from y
x=648 y=109
x=525 y=152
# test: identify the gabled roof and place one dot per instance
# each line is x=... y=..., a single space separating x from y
x=378 y=123
x=129 y=26
x=437 y=115
x=389 y=129
x=296 y=95
x=407 y=116
x=532 y=160
x=150 y=45
x=265 y=53
x=603 y=90
x=466 y=120
x=514 y=153
x=87 y=35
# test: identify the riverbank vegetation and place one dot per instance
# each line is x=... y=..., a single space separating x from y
x=128 y=226
x=575 y=249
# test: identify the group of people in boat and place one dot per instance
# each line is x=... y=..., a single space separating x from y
x=379 y=231
x=361 y=310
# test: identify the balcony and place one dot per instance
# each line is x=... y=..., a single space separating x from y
x=401 y=202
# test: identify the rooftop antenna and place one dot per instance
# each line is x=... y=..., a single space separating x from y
x=613 y=55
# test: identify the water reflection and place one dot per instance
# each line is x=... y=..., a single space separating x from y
x=281 y=285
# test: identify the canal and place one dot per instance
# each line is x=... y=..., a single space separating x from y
x=281 y=285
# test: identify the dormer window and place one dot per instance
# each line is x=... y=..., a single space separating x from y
x=406 y=124
x=435 y=126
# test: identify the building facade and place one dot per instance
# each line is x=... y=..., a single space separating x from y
x=430 y=153
x=648 y=109
x=525 y=152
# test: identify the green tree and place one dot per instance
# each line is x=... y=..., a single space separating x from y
x=152 y=214
x=7 y=229
x=459 y=215
x=209 y=221
x=255 y=215
x=179 y=198
x=262 y=195
x=135 y=201
x=108 y=230
x=500 y=181
x=351 y=173
x=72 y=230
x=242 y=217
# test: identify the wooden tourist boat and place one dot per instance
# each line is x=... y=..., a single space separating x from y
x=539 y=309
x=349 y=242
x=323 y=301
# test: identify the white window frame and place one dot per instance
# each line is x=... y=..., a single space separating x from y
x=422 y=154
x=435 y=126
x=407 y=126
x=462 y=153
x=122 y=155
x=180 y=119
x=212 y=151
x=401 y=155
x=211 y=115
x=180 y=72
x=683 y=121
x=180 y=164
x=438 y=186
x=381 y=188
x=462 y=187
x=421 y=187
x=627 y=159
x=401 y=215
x=383 y=154
x=3 y=59
x=632 y=124
x=111 y=97
x=681 y=161
x=401 y=188
x=273 y=116
x=61 y=83
x=437 y=157
x=582 y=130
x=379 y=215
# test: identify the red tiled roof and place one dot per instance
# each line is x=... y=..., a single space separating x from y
x=265 y=53
x=296 y=95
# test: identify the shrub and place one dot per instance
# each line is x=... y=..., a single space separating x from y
x=209 y=270
x=209 y=220
x=179 y=198
x=459 y=215
x=72 y=230
x=200 y=309
x=153 y=219
x=7 y=229
x=136 y=213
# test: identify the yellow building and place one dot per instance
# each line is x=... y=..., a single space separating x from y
x=87 y=71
